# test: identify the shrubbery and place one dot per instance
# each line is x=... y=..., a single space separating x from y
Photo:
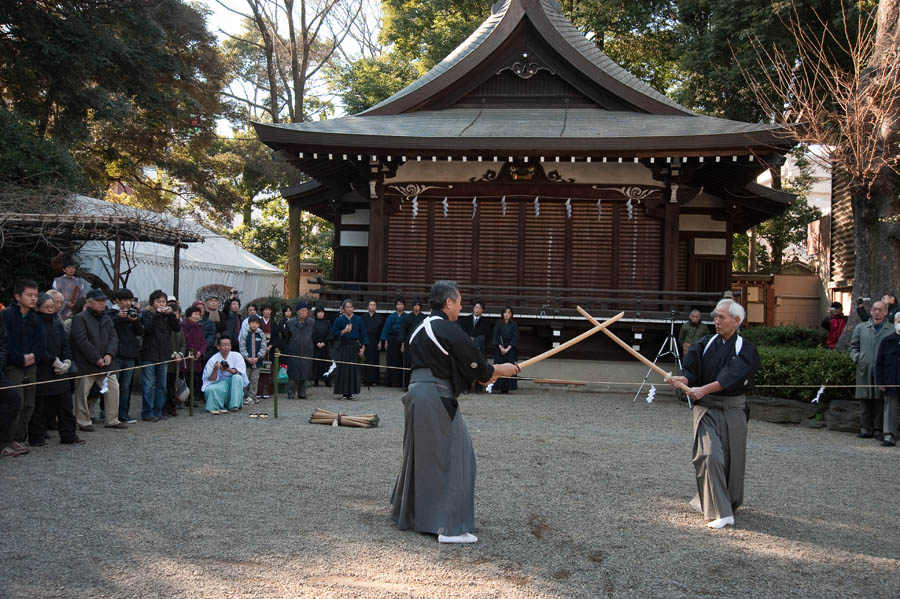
x=795 y=366
x=795 y=337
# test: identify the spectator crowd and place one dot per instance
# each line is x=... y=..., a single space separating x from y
x=69 y=356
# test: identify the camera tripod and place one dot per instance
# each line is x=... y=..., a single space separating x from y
x=669 y=347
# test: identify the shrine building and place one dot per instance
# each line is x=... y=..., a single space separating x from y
x=537 y=173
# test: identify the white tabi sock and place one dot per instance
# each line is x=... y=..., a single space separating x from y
x=465 y=537
x=722 y=522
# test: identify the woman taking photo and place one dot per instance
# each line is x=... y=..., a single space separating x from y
x=506 y=342
x=350 y=332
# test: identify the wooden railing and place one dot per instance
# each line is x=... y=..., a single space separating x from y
x=529 y=301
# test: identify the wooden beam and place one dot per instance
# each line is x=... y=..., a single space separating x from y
x=670 y=246
x=377 y=254
x=117 y=264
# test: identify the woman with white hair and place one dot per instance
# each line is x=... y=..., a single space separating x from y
x=720 y=370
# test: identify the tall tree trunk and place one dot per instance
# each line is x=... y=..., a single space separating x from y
x=876 y=203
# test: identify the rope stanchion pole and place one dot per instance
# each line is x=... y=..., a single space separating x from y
x=276 y=368
x=191 y=376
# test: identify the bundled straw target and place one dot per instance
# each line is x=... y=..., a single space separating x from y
x=321 y=416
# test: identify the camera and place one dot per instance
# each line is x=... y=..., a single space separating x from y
x=861 y=300
x=224 y=365
x=132 y=313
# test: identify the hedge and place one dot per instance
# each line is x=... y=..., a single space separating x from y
x=797 y=337
x=791 y=366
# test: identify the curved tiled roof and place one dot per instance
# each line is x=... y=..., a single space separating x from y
x=537 y=11
x=461 y=51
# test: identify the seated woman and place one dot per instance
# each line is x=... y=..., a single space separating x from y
x=506 y=340
x=222 y=387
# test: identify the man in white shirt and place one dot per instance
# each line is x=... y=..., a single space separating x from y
x=224 y=379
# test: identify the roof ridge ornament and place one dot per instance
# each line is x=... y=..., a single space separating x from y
x=525 y=69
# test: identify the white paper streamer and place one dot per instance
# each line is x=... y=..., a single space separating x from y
x=503 y=205
x=651 y=395
x=332 y=369
x=599 y=210
x=446 y=206
x=819 y=394
x=415 y=206
x=489 y=388
x=630 y=209
x=537 y=206
x=569 y=208
x=474 y=206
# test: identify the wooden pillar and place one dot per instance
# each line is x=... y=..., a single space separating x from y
x=670 y=245
x=292 y=281
x=377 y=253
x=117 y=264
x=177 y=270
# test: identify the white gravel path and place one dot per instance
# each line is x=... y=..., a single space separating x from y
x=579 y=494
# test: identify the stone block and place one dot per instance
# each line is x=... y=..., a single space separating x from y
x=784 y=411
x=843 y=415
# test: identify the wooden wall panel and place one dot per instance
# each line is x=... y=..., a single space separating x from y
x=843 y=234
x=640 y=251
x=451 y=245
x=498 y=246
x=592 y=245
x=545 y=251
x=683 y=253
x=407 y=238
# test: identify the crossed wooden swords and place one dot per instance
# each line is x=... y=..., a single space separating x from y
x=604 y=326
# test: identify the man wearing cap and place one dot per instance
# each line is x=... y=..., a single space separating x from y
x=71 y=287
x=300 y=329
x=129 y=330
x=94 y=346
x=160 y=322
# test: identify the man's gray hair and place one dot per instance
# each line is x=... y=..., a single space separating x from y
x=734 y=309
x=897 y=317
x=441 y=291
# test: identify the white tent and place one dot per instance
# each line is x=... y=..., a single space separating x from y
x=216 y=260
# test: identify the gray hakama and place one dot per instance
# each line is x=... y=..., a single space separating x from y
x=435 y=491
x=720 y=455
x=720 y=421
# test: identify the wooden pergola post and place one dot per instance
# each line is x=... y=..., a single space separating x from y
x=177 y=270
x=117 y=266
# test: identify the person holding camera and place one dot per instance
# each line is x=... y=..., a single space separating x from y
x=130 y=330
x=834 y=323
x=224 y=379
x=160 y=322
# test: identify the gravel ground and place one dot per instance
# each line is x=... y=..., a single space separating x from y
x=579 y=494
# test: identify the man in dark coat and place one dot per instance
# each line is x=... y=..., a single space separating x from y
x=478 y=328
x=867 y=336
x=887 y=377
x=94 y=346
x=300 y=343
x=160 y=321
x=9 y=399
x=435 y=491
x=130 y=330
x=26 y=342
x=720 y=369
x=374 y=322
